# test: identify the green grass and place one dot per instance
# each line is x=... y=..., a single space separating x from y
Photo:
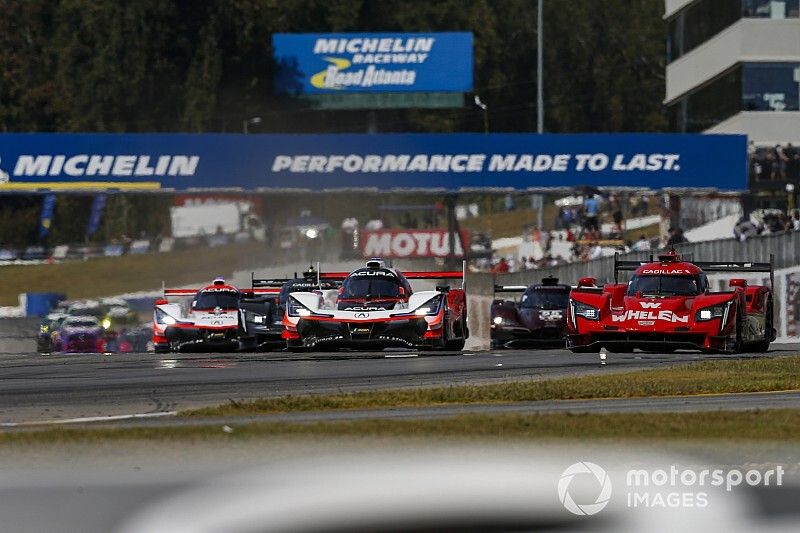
x=749 y=375
x=108 y=276
x=772 y=425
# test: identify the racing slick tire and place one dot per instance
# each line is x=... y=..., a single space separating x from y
x=162 y=348
x=457 y=344
x=763 y=345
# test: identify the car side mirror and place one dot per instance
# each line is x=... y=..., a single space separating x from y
x=737 y=282
x=443 y=288
x=401 y=291
x=161 y=301
x=587 y=282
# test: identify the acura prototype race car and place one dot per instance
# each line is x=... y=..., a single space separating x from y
x=376 y=308
x=537 y=318
x=668 y=304
x=211 y=321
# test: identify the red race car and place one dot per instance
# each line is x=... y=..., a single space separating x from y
x=668 y=305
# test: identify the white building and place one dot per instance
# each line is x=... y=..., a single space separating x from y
x=733 y=66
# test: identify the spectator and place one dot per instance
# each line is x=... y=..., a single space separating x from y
x=591 y=209
x=676 y=237
x=508 y=202
x=745 y=229
x=796 y=221
x=792 y=162
x=642 y=245
x=501 y=267
x=596 y=251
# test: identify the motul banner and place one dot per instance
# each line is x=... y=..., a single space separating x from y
x=411 y=243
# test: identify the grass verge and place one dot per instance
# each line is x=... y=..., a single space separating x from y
x=750 y=375
x=108 y=276
x=772 y=425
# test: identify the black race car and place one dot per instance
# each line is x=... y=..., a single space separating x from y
x=261 y=314
x=538 y=318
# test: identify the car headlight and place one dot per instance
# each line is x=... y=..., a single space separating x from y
x=715 y=311
x=584 y=310
x=295 y=308
x=164 y=318
x=429 y=308
x=503 y=321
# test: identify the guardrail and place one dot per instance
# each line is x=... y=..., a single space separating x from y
x=36 y=255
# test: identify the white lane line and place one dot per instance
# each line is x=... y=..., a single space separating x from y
x=87 y=419
x=400 y=355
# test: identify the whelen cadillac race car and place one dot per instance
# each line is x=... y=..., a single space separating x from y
x=538 y=318
x=210 y=323
x=376 y=308
x=668 y=305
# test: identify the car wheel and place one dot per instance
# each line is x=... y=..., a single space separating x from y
x=763 y=345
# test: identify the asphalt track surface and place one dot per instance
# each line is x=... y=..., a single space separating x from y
x=36 y=388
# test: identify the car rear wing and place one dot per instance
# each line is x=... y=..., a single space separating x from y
x=414 y=274
x=266 y=285
x=744 y=267
x=707 y=266
x=510 y=288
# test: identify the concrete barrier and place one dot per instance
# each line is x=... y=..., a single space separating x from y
x=18 y=335
x=480 y=293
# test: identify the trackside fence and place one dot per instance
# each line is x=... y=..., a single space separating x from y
x=784 y=246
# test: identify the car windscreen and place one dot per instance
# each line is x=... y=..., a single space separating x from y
x=212 y=300
x=370 y=287
x=545 y=299
x=664 y=285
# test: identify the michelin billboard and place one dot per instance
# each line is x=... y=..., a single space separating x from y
x=382 y=161
x=335 y=63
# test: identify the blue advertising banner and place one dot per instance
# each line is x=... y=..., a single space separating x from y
x=46 y=218
x=380 y=161
x=96 y=214
x=335 y=63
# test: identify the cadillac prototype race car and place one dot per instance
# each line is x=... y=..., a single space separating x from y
x=376 y=308
x=262 y=314
x=210 y=322
x=668 y=305
x=538 y=318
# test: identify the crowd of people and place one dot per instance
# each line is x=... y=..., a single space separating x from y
x=776 y=163
x=765 y=223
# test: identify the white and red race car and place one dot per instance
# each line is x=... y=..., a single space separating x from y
x=210 y=321
x=376 y=308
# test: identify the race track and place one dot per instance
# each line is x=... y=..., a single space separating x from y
x=38 y=388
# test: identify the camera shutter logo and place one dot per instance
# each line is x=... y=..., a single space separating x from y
x=584 y=468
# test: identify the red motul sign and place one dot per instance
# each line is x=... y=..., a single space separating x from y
x=410 y=243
